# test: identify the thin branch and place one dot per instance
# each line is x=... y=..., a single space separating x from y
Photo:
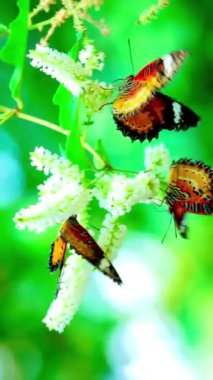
x=40 y=24
x=33 y=119
x=6 y=116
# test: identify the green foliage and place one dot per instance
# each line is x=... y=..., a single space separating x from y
x=14 y=51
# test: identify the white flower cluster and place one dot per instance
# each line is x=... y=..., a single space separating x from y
x=60 y=196
x=73 y=281
x=51 y=163
x=111 y=236
x=59 y=66
x=73 y=75
x=157 y=158
x=118 y=193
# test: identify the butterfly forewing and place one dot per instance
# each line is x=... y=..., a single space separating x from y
x=83 y=243
x=140 y=88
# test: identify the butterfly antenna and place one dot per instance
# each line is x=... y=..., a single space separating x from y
x=130 y=53
x=103 y=105
x=95 y=228
x=157 y=209
x=167 y=230
x=117 y=80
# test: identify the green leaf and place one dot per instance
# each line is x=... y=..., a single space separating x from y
x=69 y=116
x=77 y=46
x=14 y=51
x=69 y=120
x=103 y=154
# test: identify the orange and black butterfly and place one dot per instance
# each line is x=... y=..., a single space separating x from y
x=190 y=189
x=78 y=238
x=140 y=112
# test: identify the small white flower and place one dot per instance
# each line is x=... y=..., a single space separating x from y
x=147 y=185
x=111 y=236
x=85 y=54
x=91 y=59
x=118 y=194
x=73 y=281
x=157 y=158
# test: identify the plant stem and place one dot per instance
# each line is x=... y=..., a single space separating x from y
x=124 y=171
x=33 y=119
x=40 y=24
x=6 y=116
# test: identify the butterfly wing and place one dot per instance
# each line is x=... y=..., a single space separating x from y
x=161 y=112
x=193 y=178
x=190 y=189
x=139 y=89
x=84 y=244
x=200 y=206
x=57 y=255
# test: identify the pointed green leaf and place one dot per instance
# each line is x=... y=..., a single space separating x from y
x=69 y=115
x=14 y=51
x=69 y=120
x=103 y=154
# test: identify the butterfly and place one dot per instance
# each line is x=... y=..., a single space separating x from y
x=190 y=189
x=141 y=112
x=74 y=234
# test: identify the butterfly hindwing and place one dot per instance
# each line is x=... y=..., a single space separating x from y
x=190 y=189
x=57 y=255
x=199 y=206
x=161 y=112
x=194 y=179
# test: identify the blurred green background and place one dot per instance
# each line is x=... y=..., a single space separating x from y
x=159 y=325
